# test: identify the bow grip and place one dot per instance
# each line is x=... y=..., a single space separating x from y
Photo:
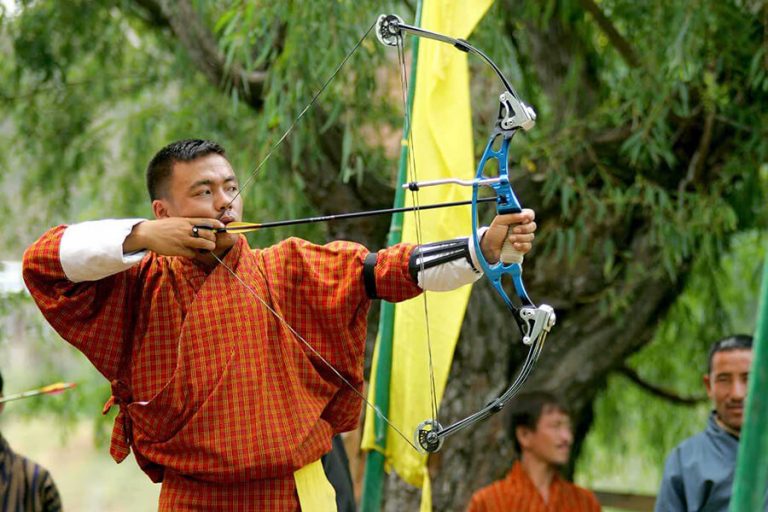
x=509 y=254
x=507 y=203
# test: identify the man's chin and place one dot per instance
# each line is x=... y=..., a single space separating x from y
x=224 y=242
x=733 y=422
x=559 y=460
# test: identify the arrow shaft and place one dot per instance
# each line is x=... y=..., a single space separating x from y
x=19 y=396
x=46 y=390
x=350 y=215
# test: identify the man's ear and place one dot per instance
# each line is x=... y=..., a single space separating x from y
x=523 y=435
x=160 y=209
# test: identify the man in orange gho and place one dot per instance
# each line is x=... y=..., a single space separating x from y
x=541 y=430
x=232 y=367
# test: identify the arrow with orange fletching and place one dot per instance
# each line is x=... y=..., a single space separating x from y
x=50 y=389
x=245 y=227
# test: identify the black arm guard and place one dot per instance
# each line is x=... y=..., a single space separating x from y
x=437 y=253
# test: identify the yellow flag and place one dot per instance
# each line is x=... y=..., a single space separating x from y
x=442 y=147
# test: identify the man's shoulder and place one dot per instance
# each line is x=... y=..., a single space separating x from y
x=582 y=496
x=27 y=465
x=487 y=497
x=694 y=454
x=494 y=487
x=692 y=443
x=502 y=487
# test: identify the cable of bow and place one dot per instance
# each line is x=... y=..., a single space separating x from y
x=534 y=322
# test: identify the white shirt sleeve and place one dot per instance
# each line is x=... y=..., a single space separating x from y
x=448 y=276
x=92 y=250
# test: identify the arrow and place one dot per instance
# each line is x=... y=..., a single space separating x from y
x=50 y=389
x=245 y=227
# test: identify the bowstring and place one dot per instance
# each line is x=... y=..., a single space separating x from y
x=312 y=349
x=413 y=177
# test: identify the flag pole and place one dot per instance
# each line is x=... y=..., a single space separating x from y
x=749 y=486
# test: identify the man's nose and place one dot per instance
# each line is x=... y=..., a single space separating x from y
x=223 y=200
x=739 y=390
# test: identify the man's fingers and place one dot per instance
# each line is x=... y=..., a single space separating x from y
x=523 y=218
x=187 y=253
x=202 y=243
x=529 y=227
x=206 y=223
x=517 y=238
x=204 y=229
x=199 y=233
x=522 y=247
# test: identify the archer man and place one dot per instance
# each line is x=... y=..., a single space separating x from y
x=232 y=367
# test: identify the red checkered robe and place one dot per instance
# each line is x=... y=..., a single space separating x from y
x=516 y=493
x=216 y=395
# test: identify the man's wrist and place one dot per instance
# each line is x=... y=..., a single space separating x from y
x=136 y=241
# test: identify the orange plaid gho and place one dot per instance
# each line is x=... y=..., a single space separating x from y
x=214 y=391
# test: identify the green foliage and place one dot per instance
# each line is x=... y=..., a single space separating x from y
x=32 y=355
x=696 y=62
x=633 y=430
x=92 y=91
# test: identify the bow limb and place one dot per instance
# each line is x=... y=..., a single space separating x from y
x=534 y=321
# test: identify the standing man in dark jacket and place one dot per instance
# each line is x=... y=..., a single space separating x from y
x=698 y=473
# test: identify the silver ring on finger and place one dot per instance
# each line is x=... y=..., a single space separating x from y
x=195 y=232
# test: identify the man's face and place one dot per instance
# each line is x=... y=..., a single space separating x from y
x=203 y=188
x=727 y=385
x=551 y=441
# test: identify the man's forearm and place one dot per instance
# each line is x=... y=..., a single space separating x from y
x=93 y=250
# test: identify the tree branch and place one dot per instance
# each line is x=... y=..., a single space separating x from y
x=149 y=11
x=203 y=49
x=616 y=39
x=670 y=396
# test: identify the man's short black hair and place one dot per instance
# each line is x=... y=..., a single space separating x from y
x=526 y=410
x=1 y=383
x=160 y=167
x=735 y=342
